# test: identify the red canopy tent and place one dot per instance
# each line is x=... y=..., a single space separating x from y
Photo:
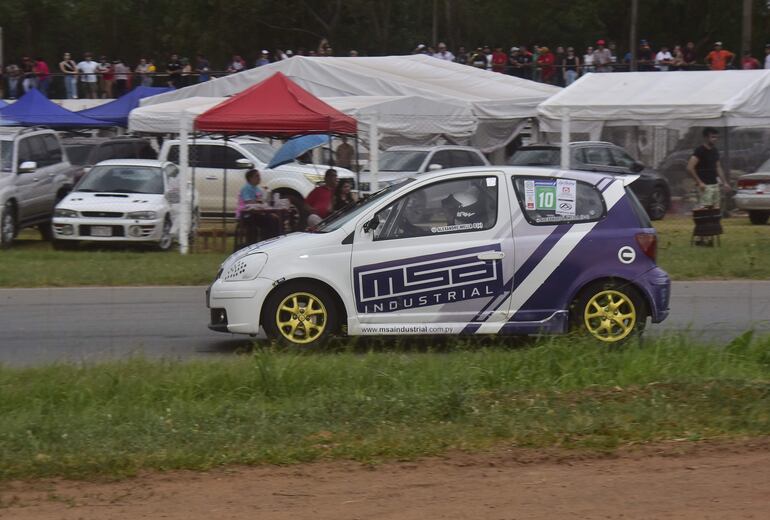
x=275 y=107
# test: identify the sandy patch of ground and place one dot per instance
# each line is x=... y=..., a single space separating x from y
x=676 y=480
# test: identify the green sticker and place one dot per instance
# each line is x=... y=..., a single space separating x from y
x=545 y=196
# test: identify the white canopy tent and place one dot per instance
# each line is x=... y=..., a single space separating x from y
x=164 y=118
x=675 y=100
x=499 y=103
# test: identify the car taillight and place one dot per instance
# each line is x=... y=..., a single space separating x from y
x=747 y=184
x=648 y=243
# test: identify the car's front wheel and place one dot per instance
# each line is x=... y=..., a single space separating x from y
x=610 y=312
x=759 y=217
x=300 y=315
x=166 y=238
x=7 y=226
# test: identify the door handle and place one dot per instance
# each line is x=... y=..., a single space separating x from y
x=34 y=179
x=52 y=175
x=212 y=178
x=491 y=255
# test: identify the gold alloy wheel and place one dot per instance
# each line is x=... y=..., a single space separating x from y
x=301 y=318
x=610 y=316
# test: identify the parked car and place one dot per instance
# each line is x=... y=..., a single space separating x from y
x=480 y=250
x=219 y=165
x=400 y=162
x=598 y=156
x=87 y=151
x=753 y=194
x=123 y=200
x=34 y=175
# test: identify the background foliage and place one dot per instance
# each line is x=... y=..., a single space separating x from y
x=219 y=28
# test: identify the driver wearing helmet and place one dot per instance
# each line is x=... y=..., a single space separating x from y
x=469 y=207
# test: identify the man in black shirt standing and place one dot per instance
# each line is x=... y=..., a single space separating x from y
x=704 y=167
x=174 y=71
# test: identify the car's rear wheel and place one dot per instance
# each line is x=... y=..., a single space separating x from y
x=658 y=203
x=610 y=312
x=300 y=316
x=759 y=217
x=7 y=225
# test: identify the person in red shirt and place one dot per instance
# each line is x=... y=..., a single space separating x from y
x=546 y=61
x=719 y=59
x=43 y=75
x=320 y=202
x=499 y=60
x=749 y=62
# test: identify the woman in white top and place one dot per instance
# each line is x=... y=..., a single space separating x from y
x=70 y=70
x=588 y=61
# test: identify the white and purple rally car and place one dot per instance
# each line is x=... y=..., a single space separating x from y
x=479 y=250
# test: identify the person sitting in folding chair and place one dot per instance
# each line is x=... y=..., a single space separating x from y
x=255 y=224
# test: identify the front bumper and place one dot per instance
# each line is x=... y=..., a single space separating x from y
x=751 y=201
x=120 y=229
x=236 y=306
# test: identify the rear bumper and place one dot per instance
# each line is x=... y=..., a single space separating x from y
x=749 y=201
x=657 y=286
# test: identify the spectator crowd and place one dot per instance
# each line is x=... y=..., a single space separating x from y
x=108 y=78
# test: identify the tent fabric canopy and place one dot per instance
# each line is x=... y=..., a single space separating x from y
x=33 y=109
x=276 y=107
x=164 y=118
x=497 y=102
x=116 y=111
x=676 y=100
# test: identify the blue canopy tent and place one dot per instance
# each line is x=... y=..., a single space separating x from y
x=3 y=103
x=295 y=147
x=34 y=109
x=116 y=112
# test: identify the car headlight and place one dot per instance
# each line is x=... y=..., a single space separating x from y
x=65 y=213
x=315 y=178
x=246 y=268
x=142 y=215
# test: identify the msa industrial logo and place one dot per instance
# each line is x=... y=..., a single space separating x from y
x=428 y=280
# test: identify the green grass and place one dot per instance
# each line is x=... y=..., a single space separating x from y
x=281 y=407
x=744 y=252
x=33 y=263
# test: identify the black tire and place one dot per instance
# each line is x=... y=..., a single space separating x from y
x=658 y=203
x=46 y=231
x=759 y=217
x=65 y=245
x=285 y=316
x=8 y=229
x=609 y=312
x=166 y=239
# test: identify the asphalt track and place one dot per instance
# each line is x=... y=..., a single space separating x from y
x=47 y=325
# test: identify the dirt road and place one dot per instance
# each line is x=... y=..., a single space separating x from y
x=676 y=480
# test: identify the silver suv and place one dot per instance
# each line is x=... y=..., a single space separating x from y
x=34 y=175
x=401 y=162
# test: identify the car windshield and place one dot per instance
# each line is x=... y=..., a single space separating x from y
x=401 y=160
x=122 y=179
x=536 y=157
x=6 y=155
x=262 y=151
x=78 y=153
x=343 y=215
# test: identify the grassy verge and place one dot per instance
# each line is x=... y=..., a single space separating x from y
x=277 y=407
x=743 y=254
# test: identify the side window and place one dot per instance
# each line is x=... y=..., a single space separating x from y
x=448 y=207
x=621 y=158
x=222 y=157
x=599 y=156
x=106 y=151
x=147 y=152
x=25 y=152
x=548 y=200
x=231 y=156
x=53 y=149
x=173 y=153
x=39 y=151
x=474 y=159
x=442 y=157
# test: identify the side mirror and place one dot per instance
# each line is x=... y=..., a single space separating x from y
x=637 y=167
x=243 y=164
x=27 y=167
x=372 y=224
x=434 y=167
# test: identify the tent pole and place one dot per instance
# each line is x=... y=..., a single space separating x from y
x=358 y=168
x=374 y=154
x=332 y=162
x=184 y=199
x=565 y=137
x=224 y=192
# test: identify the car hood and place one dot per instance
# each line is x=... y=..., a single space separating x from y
x=123 y=202
x=317 y=169
x=366 y=176
x=298 y=243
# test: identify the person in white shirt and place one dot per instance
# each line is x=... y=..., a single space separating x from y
x=87 y=68
x=663 y=59
x=588 y=60
x=767 y=56
x=444 y=54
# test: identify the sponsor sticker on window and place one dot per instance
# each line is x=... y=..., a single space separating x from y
x=566 y=191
